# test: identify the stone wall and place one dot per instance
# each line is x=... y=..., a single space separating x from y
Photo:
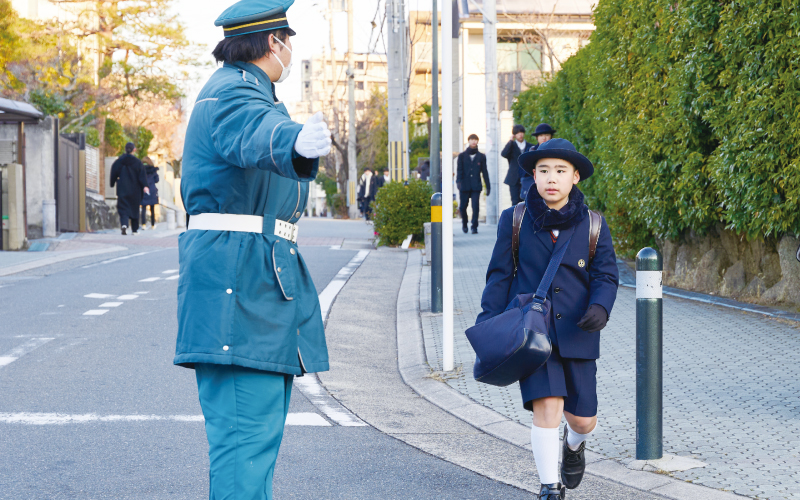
x=99 y=215
x=763 y=271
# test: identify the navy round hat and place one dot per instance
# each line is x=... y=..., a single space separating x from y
x=556 y=148
x=252 y=16
x=544 y=128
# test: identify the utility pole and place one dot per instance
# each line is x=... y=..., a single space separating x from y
x=351 y=135
x=436 y=173
x=492 y=126
x=395 y=13
x=447 y=186
x=456 y=92
x=333 y=99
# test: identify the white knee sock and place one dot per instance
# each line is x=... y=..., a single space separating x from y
x=545 y=445
x=575 y=439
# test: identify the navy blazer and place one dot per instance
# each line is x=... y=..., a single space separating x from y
x=469 y=171
x=511 y=152
x=574 y=287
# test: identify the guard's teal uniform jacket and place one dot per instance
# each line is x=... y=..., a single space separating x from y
x=246 y=298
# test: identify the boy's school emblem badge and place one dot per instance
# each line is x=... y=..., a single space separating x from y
x=581 y=263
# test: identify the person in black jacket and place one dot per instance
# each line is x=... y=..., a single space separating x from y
x=150 y=199
x=128 y=174
x=471 y=165
x=543 y=133
x=515 y=147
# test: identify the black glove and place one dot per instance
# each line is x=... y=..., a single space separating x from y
x=594 y=320
x=488 y=190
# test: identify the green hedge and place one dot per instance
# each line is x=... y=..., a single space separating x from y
x=400 y=210
x=690 y=112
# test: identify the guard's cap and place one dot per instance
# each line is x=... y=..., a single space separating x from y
x=252 y=16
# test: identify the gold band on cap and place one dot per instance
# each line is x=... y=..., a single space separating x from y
x=253 y=24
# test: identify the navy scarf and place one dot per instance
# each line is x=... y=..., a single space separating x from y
x=544 y=218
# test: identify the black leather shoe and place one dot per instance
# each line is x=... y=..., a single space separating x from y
x=573 y=463
x=474 y=230
x=553 y=491
x=124 y=230
x=465 y=228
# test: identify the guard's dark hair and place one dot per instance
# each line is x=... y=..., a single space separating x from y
x=247 y=47
x=129 y=147
x=517 y=129
x=473 y=136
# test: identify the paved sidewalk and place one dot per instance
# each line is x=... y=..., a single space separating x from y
x=731 y=397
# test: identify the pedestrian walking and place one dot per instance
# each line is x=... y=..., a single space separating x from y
x=249 y=318
x=471 y=165
x=424 y=170
x=366 y=192
x=543 y=133
x=150 y=200
x=581 y=295
x=515 y=147
x=382 y=179
x=128 y=174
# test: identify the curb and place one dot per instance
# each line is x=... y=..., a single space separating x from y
x=415 y=372
x=56 y=257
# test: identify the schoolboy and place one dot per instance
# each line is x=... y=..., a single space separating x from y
x=543 y=133
x=582 y=295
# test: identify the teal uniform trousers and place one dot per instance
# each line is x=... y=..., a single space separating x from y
x=245 y=412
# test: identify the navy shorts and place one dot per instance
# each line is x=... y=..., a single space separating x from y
x=573 y=379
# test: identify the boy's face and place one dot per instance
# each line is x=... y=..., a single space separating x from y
x=542 y=138
x=554 y=180
x=473 y=143
x=520 y=136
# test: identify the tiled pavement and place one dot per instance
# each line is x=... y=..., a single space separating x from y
x=731 y=382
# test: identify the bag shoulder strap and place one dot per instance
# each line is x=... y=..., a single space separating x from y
x=550 y=273
x=519 y=214
x=595 y=221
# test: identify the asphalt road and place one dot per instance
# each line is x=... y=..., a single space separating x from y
x=92 y=407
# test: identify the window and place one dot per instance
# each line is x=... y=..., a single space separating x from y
x=359 y=64
x=359 y=85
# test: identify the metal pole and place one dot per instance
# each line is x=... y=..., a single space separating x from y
x=436 y=173
x=447 y=187
x=396 y=101
x=352 y=173
x=436 y=252
x=490 y=57
x=649 y=345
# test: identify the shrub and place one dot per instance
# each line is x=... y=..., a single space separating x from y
x=400 y=210
x=688 y=111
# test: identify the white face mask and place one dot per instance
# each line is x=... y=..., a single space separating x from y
x=284 y=69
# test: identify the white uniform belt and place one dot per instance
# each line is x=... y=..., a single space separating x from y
x=245 y=223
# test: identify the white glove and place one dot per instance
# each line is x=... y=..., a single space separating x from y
x=314 y=140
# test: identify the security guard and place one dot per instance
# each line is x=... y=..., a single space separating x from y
x=249 y=318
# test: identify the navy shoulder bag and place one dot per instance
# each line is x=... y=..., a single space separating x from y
x=514 y=344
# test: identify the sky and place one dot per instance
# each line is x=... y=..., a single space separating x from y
x=306 y=17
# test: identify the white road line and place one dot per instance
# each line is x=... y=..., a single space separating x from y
x=109 y=261
x=319 y=397
x=95 y=312
x=170 y=271
x=110 y=304
x=127 y=297
x=309 y=383
x=97 y=296
x=146 y=280
x=141 y=293
x=173 y=277
x=330 y=292
x=21 y=350
x=22 y=418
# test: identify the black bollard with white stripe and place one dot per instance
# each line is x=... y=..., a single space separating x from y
x=649 y=347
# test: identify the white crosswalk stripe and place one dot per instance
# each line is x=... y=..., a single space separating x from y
x=24 y=418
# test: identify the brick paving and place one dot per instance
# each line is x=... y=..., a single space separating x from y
x=731 y=382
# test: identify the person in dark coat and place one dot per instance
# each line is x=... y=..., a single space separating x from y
x=382 y=179
x=470 y=166
x=581 y=295
x=151 y=199
x=515 y=147
x=543 y=133
x=128 y=174
x=366 y=192
x=424 y=170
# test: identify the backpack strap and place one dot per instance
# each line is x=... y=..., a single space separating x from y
x=519 y=214
x=595 y=221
